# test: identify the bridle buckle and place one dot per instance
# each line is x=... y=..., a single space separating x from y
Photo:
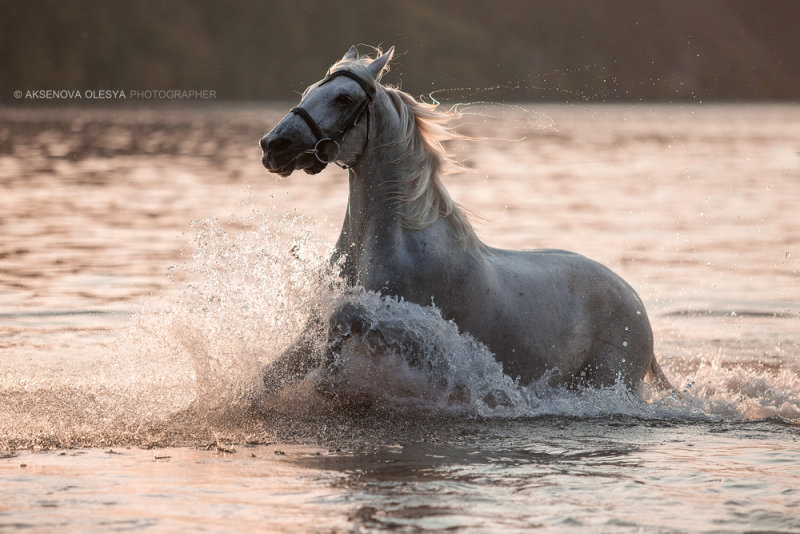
x=322 y=150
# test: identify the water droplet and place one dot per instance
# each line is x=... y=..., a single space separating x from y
x=624 y=344
x=788 y=255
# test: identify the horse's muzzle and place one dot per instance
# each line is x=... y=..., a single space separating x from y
x=283 y=155
x=278 y=156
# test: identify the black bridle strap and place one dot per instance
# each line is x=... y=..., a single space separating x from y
x=352 y=120
x=311 y=122
x=369 y=90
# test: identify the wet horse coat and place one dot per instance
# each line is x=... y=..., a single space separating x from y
x=539 y=311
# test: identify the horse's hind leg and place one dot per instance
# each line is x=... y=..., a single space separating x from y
x=612 y=364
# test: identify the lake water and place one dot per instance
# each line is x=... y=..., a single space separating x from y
x=150 y=267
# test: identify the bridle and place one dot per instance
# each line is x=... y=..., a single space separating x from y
x=327 y=149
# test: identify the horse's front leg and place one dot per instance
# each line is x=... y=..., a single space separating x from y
x=363 y=341
x=370 y=353
x=298 y=360
x=347 y=322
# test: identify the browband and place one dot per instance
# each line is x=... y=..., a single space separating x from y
x=368 y=89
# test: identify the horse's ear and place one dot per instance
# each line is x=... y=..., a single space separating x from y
x=376 y=67
x=351 y=54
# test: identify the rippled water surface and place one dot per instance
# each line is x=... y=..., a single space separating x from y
x=150 y=268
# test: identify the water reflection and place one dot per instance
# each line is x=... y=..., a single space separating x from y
x=493 y=476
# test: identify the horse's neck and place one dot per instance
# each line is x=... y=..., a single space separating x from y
x=370 y=215
x=373 y=232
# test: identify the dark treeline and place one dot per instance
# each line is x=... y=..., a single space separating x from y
x=631 y=50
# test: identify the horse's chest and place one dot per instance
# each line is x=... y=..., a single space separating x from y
x=415 y=273
x=387 y=272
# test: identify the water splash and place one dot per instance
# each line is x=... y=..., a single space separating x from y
x=187 y=368
x=743 y=392
x=536 y=86
x=253 y=284
x=410 y=355
x=250 y=294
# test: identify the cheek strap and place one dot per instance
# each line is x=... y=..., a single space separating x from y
x=327 y=148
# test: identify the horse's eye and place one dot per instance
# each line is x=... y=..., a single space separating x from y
x=344 y=99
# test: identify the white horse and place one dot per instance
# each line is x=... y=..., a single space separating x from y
x=538 y=311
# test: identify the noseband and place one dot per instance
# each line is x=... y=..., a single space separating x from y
x=327 y=148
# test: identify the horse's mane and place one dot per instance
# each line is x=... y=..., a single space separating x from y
x=420 y=195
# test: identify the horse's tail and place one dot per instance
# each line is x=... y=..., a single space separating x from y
x=659 y=379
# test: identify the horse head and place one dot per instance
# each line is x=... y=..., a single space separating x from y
x=332 y=122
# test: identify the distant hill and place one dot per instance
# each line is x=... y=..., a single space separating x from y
x=572 y=50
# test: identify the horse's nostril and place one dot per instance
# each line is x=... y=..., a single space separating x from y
x=279 y=144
